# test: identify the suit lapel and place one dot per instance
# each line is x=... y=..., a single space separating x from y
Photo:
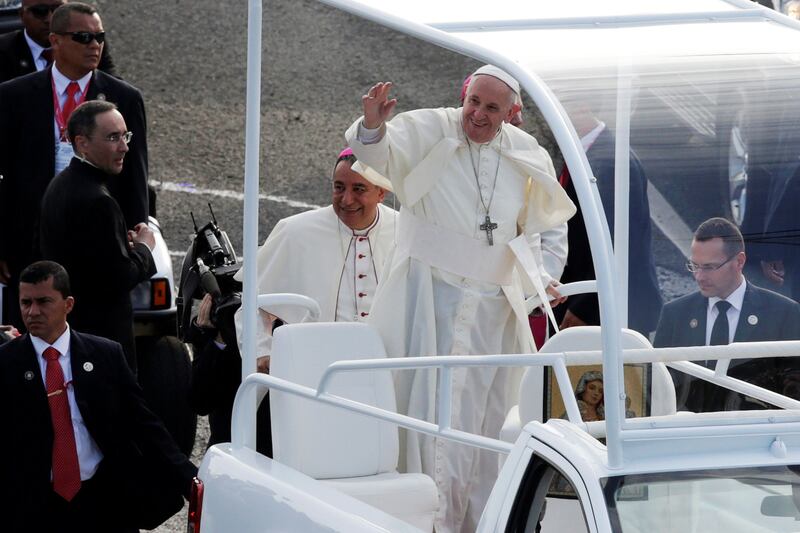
x=42 y=115
x=26 y=64
x=82 y=374
x=696 y=320
x=97 y=87
x=748 y=317
x=30 y=374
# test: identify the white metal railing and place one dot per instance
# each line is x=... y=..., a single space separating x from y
x=255 y=387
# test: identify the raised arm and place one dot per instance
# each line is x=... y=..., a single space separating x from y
x=377 y=105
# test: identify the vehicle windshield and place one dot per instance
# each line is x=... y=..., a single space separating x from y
x=740 y=500
x=712 y=126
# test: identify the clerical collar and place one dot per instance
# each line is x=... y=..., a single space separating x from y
x=365 y=231
x=93 y=169
x=61 y=81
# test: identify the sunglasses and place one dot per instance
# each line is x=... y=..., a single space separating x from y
x=40 y=11
x=85 y=37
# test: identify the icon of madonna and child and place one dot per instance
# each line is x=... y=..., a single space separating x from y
x=590 y=398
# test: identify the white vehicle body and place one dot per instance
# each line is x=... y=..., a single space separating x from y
x=677 y=472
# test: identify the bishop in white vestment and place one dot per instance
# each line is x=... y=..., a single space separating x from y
x=476 y=193
x=334 y=255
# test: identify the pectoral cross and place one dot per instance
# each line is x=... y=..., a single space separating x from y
x=488 y=226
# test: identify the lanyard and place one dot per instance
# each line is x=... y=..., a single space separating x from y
x=58 y=111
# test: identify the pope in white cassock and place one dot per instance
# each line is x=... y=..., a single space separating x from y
x=334 y=254
x=476 y=193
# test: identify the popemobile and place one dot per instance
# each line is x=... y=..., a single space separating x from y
x=704 y=93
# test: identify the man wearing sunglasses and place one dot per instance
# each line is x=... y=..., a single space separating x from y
x=726 y=308
x=28 y=50
x=34 y=111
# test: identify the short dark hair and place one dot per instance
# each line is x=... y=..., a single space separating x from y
x=61 y=17
x=42 y=271
x=350 y=158
x=721 y=228
x=83 y=120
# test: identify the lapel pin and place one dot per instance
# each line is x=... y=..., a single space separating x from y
x=693 y=323
x=87 y=366
x=101 y=96
x=23 y=63
x=28 y=375
x=752 y=320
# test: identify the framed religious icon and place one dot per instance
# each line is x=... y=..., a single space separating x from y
x=587 y=385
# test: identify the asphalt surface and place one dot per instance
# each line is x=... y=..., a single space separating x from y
x=188 y=58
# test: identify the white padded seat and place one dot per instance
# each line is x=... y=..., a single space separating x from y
x=355 y=454
x=582 y=338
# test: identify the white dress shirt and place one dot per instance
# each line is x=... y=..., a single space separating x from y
x=61 y=82
x=39 y=62
x=89 y=455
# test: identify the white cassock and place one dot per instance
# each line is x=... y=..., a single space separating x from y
x=447 y=291
x=316 y=255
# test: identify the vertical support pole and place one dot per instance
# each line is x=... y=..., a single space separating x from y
x=251 y=192
x=622 y=187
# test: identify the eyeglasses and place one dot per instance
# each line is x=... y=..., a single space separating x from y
x=694 y=268
x=40 y=11
x=85 y=37
x=114 y=138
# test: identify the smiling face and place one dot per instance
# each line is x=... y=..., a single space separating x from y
x=488 y=104
x=105 y=147
x=72 y=58
x=593 y=394
x=716 y=282
x=355 y=200
x=44 y=309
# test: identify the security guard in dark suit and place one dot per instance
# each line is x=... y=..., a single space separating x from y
x=83 y=452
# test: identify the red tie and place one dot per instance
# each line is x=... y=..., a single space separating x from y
x=69 y=104
x=66 y=472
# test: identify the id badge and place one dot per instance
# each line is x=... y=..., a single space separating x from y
x=64 y=154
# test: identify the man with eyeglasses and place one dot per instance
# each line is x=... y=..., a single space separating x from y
x=726 y=308
x=28 y=50
x=82 y=228
x=34 y=110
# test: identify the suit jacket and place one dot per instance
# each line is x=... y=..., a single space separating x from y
x=777 y=318
x=27 y=157
x=16 y=59
x=644 y=296
x=82 y=228
x=131 y=438
x=765 y=316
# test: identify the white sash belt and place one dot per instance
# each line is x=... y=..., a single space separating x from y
x=453 y=252
x=464 y=256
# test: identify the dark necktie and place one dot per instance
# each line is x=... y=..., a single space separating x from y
x=720 y=333
x=66 y=470
x=47 y=55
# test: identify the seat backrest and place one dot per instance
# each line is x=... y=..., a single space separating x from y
x=585 y=338
x=321 y=441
